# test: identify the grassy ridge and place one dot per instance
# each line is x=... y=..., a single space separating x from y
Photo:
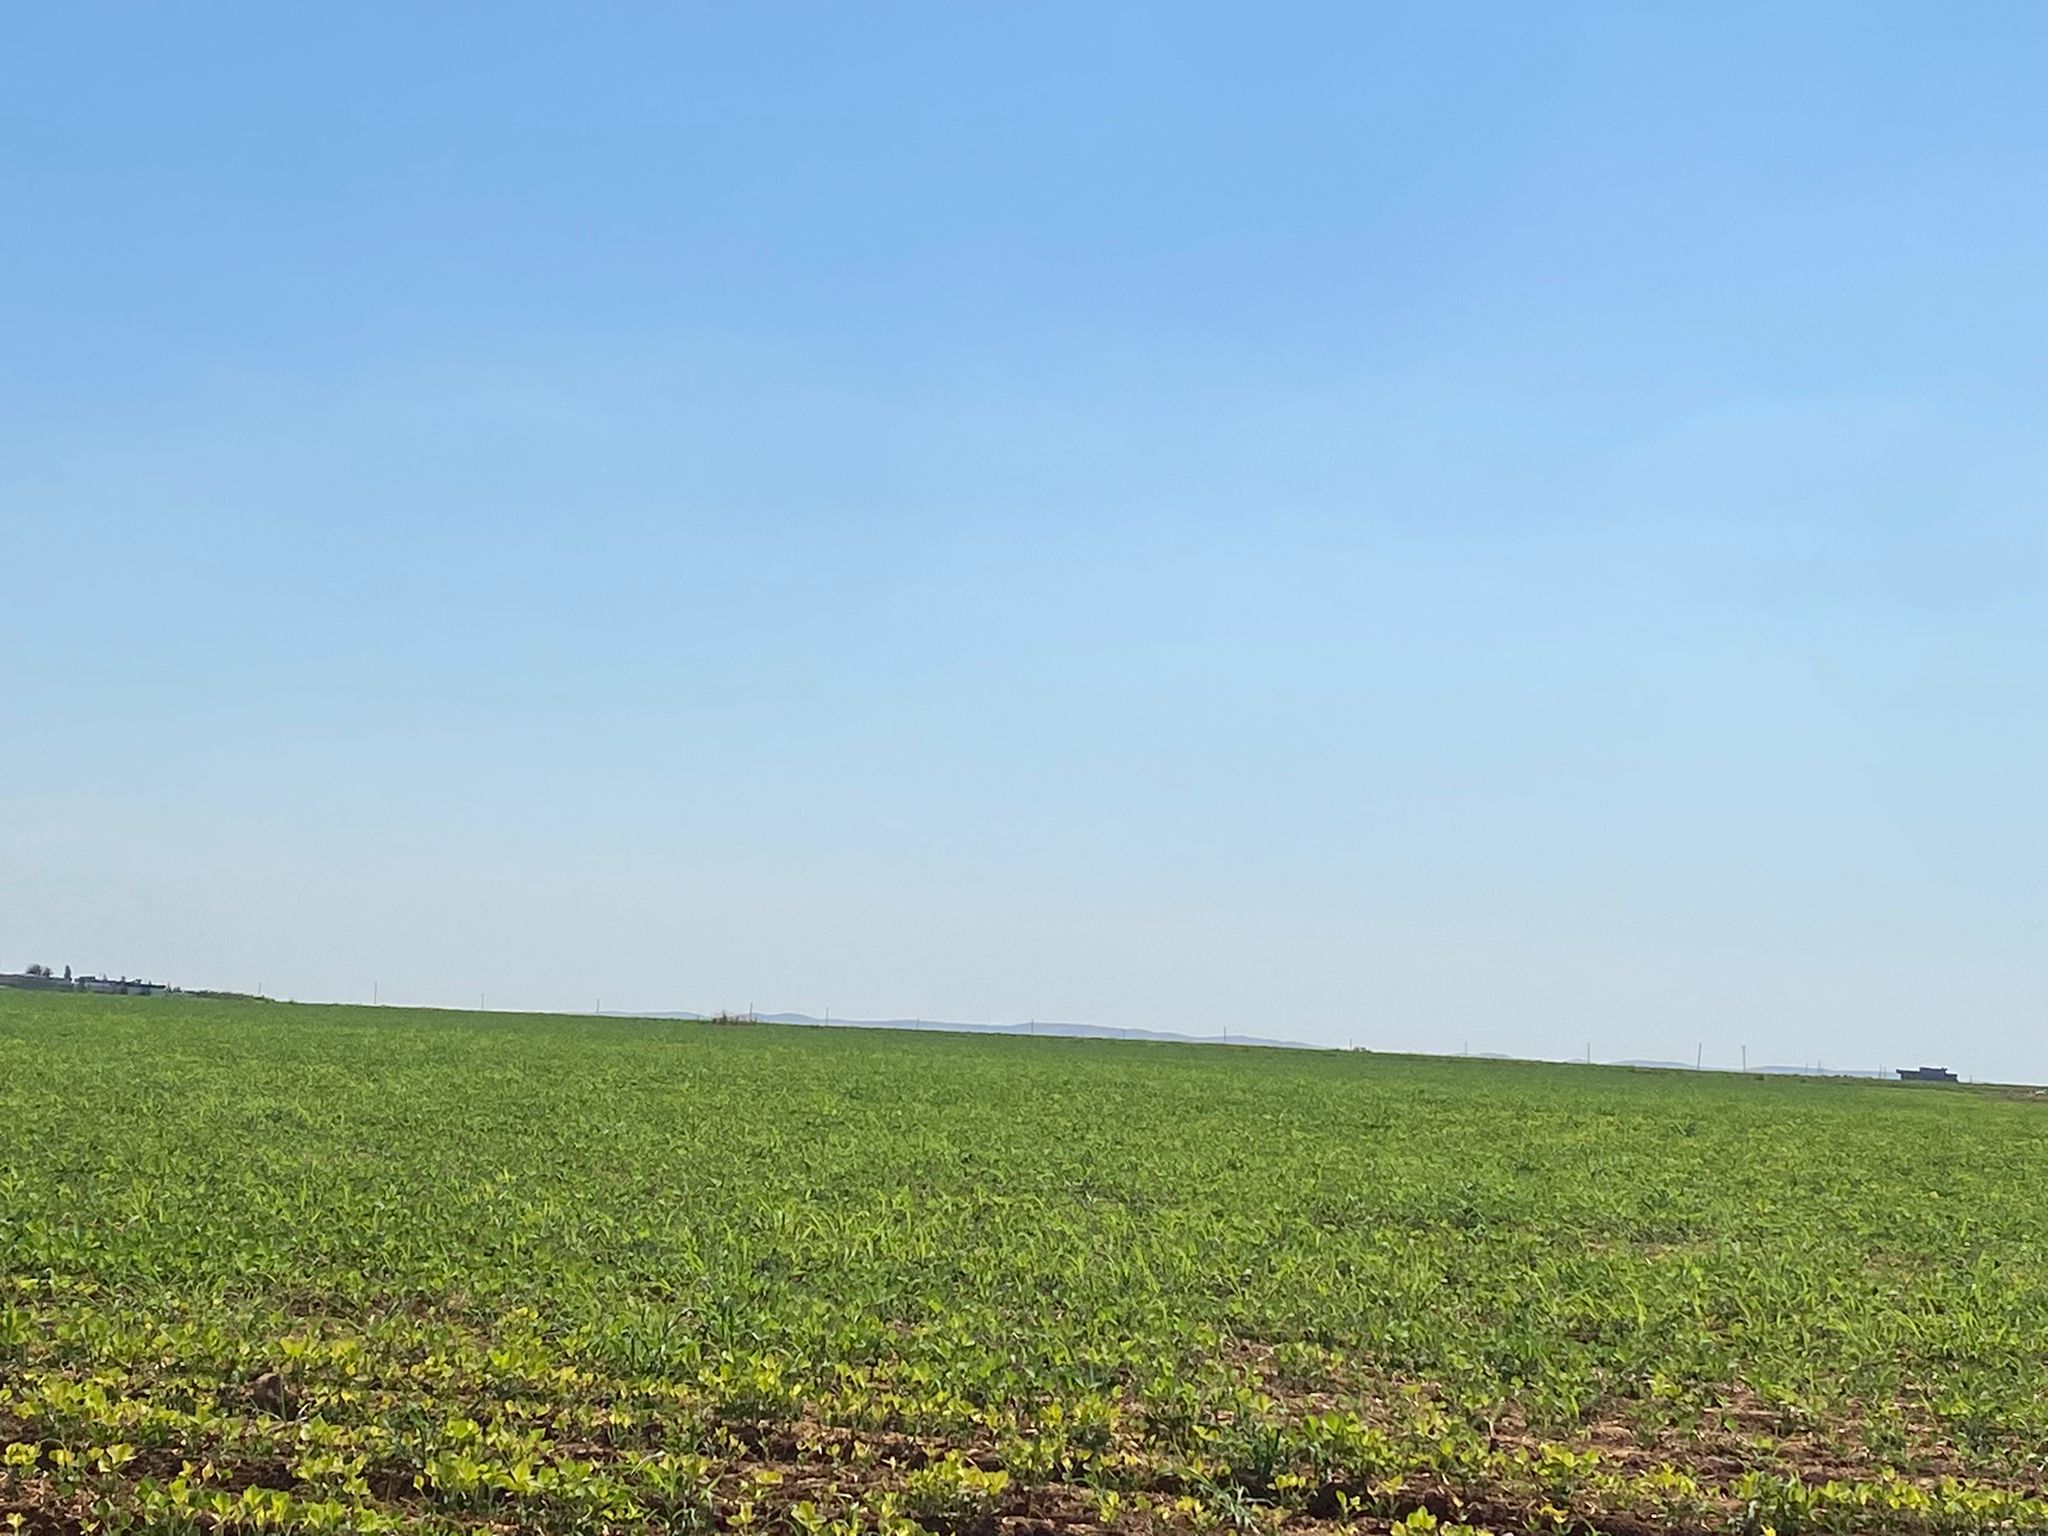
x=329 y=1268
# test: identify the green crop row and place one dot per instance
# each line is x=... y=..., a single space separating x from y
x=266 y=1267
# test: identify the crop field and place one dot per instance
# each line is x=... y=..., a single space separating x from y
x=266 y=1267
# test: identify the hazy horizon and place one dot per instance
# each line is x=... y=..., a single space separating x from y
x=1487 y=528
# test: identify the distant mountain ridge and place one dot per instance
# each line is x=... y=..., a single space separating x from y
x=1051 y=1027
x=1058 y=1029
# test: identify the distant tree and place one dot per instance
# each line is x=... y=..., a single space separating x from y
x=39 y=970
x=67 y=973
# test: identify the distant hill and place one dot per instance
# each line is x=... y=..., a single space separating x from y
x=1060 y=1030
x=1050 y=1027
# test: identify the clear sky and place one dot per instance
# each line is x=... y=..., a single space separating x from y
x=1512 y=526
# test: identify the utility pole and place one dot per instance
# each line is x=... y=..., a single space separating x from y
x=373 y=994
x=1745 y=1058
x=1699 y=1053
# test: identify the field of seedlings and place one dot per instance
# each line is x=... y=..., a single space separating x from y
x=272 y=1267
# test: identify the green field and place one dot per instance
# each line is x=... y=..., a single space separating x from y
x=277 y=1267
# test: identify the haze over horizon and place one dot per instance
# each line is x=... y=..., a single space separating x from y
x=1432 y=527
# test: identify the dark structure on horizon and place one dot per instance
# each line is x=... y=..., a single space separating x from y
x=38 y=978
x=1926 y=1075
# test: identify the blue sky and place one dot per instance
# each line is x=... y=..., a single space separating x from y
x=1511 y=526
